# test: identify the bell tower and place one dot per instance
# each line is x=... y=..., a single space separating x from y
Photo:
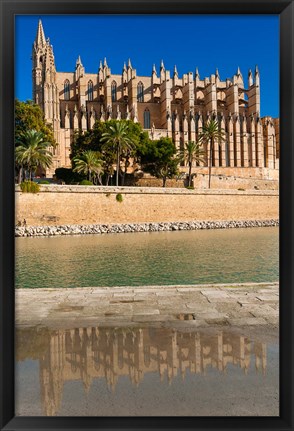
x=45 y=91
x=38 y=57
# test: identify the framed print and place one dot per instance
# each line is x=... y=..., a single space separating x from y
x=146 y=229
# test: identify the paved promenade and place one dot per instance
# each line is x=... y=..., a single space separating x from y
x=237 y=305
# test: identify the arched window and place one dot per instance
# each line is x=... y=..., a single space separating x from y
x=146 y=119
x=66 y=90
x=90 y=91
x=113 y=91
x=140 y=92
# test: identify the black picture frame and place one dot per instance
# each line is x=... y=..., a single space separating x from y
x=10 y=8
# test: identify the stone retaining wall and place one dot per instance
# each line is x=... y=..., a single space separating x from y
x=143 y=227
x=221 y=178
x=85 y=205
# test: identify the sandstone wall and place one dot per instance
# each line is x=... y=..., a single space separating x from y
x=55 y=205
x=234 y=183
x=221 y=178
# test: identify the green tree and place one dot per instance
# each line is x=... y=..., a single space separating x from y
x=138 y=137
x=29 y=116
x=160 y=159
x=92 y=140
x=193 y=151
x=31 y=152
x=89 y=164
x=211 y=133
x=117 y=139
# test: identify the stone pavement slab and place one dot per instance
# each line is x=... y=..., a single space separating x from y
x=232 y=304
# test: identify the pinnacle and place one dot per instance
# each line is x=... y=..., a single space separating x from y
x=40 y=37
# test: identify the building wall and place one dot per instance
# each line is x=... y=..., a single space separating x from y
x=56 y=205
x=178 y=106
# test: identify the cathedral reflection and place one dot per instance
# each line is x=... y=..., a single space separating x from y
x=84 y=354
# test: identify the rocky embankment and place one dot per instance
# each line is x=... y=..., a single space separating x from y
x=27 y=231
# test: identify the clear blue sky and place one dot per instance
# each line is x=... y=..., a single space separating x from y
x=208 y=42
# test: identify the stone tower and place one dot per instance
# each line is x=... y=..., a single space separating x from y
x=45 y=91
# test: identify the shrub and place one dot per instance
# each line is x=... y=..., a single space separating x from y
x=86 y=183
x=44 y=182
x=29 y=187
x=190 y=187
x=119 y=197
x=68 y=176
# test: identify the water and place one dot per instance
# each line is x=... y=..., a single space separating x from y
x=157 y=258
x=156 y=369
x=150 y=371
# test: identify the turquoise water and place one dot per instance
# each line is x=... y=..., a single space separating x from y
x=185 y=257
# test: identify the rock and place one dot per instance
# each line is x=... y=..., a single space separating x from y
x=137 y=227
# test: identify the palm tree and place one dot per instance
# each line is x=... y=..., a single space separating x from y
x=193 y=152
x=88 y=163
x=31 y=151
x=116 y=137
x=211 y=132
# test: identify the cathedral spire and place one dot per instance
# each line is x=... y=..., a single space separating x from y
x=197 y=73
x=79 y=68
x=176 y=72
x=238 y=71
x=154 y=70
x=256 y=70
x=162 y=72
x=256 y=75
x=100 y=65
x=250 y=78
x=129 y=64
x=40 y=36
x=79 y=61
x=105 y=62
x=125 y=67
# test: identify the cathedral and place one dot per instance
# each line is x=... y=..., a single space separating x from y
x=164 y=104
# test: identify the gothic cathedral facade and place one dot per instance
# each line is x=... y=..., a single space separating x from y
x=164 y=105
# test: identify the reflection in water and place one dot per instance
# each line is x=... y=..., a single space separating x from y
x=85 y=354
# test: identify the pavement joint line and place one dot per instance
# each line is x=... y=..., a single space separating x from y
x=218 y=310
